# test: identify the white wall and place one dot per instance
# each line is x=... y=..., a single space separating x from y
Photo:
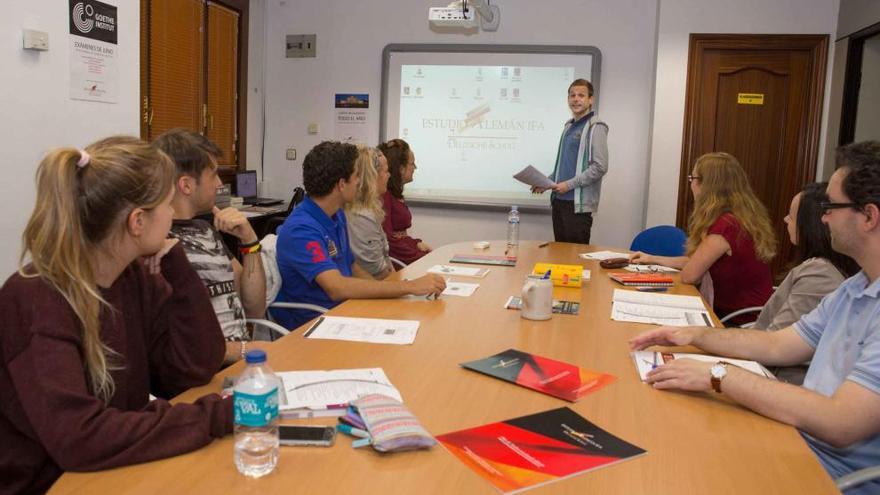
x=350 y=39
x=679 y=18
x=856 y=15
x=38 y=112
x=868 y=114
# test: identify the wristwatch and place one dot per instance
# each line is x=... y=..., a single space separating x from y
x=719 y=371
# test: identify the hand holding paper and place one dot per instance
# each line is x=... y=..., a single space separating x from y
x=533 y=177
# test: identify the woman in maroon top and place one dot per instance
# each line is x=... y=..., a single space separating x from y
x=729 y=236
x=398 y=219
x=107 y=312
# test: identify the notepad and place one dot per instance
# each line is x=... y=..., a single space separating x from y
x=645 y=362
x=328 y=392
x=484 y=259
x=659 y=309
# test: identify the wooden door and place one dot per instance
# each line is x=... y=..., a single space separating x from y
x=222 y=81
x=759 y=98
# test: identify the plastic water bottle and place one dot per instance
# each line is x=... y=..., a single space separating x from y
x=255 y=405
x=512 y=231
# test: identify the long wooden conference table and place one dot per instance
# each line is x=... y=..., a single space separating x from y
x=696 y=443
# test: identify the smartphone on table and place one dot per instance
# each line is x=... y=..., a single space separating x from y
x=316 y=436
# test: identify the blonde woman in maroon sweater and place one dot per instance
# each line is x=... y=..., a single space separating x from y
x=106 y=312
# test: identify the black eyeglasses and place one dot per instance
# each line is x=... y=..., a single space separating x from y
x=828 y=206
x=692 y=178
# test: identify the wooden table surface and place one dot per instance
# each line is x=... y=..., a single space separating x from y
x=696 y=443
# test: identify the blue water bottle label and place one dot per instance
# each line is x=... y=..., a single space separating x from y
x=255 y=410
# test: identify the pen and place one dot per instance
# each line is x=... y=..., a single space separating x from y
x=651 y=289
x=544 y=244
x=546 y=275
x=654 y=366
x=349 y=430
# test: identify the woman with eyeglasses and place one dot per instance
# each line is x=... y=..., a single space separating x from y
x=729 y=237
x=365 y=214
x=107 y=311
x=398 y=218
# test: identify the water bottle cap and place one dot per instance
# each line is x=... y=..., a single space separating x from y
x=514 y=208
x=255 y=356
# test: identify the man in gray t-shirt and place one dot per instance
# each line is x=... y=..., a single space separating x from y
x=837 y=409
x=238 y=290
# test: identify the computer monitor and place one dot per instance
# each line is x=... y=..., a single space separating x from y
x=246 y=184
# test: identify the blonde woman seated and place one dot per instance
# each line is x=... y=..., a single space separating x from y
x=365 y=213
x=107 y=312
x=729 y=236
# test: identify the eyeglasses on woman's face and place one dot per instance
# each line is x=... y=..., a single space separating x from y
x=692 y=177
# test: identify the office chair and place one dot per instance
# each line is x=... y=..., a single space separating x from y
x=299 y=194
x=856 y=478
x=397 y=263
x=273 y=286
x=662 y=240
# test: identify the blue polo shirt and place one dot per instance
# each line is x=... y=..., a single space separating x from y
x=845 y=332
x=568 y=157
x=309 y=243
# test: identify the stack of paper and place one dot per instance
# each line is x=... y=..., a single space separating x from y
x=659 y=309
x=328 y=393
x=373 y=330
x=603 y=255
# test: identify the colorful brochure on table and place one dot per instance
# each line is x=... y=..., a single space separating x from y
x=559 y=379
x=530 y=451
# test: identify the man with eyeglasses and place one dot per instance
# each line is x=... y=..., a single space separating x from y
x=837 y=409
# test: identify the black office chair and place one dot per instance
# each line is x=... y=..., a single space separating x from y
x=299 y=194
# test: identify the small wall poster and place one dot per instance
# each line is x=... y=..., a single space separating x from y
x=350 y=124
x=93 y=51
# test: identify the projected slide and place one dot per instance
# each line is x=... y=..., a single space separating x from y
x=472 y=127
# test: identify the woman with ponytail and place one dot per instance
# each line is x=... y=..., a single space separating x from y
x=103 y=312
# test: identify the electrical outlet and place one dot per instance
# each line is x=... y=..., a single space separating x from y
x=291 y=153
x=313 y=128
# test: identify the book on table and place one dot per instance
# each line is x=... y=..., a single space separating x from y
x=648 y=360
x=559 y=307
x=530 y=451
x=484 y=259
x=549 y=376
x=642 y=279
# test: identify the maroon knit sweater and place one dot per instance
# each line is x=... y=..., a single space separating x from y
x=167 y=338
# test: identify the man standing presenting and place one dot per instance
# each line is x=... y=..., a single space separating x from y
x=581 y=162
x=237 y=291
x=837 y=409
x=313 y=251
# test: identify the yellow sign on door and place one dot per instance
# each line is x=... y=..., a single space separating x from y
x=750 y=98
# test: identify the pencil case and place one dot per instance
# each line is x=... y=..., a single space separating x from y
x=391 y=425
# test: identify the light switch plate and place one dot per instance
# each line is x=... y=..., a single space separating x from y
x=301 y=45
x=291 y=153
x=313 y=128
x=35 y=40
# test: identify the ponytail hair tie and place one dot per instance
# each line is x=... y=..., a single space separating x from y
x=83 y=159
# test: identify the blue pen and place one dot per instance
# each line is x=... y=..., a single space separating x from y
x=651 y=289
x=546 y=275
x=654 y=366
x=355 y=432
x=363 y=442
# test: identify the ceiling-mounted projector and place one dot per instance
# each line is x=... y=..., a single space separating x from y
x=463 y=14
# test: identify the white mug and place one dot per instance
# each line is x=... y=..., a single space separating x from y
x=537 y=299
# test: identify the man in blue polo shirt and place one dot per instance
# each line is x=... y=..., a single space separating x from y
x=313 y=251
x=837 y=409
